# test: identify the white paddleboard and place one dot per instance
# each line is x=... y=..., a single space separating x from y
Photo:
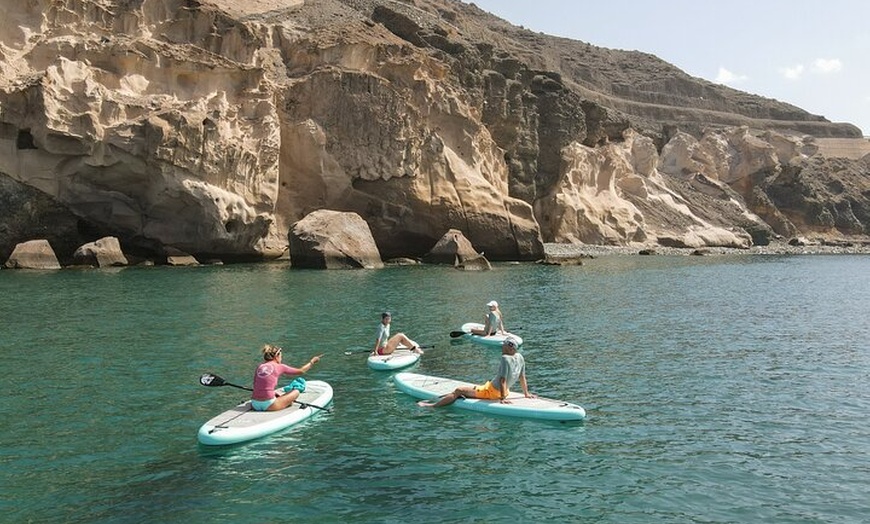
x=399 y=358
x=430 y=388
x=492 y=340
x=242 y=423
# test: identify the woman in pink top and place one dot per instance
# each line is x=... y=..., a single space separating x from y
x=267 y=396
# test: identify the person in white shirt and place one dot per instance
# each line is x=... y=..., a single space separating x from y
x=386 y=344
x=494 y=322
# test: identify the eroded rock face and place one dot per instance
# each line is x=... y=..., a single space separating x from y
x=212 y=126
x=180 y=125
x=412 y=176
x=328 y=239
x=153 y=139
x=730 y=188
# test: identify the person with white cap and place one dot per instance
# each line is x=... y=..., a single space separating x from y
x=494 y=321
x=385 y=344
x=511 y=367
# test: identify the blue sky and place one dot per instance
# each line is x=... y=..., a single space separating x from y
x=814 y=55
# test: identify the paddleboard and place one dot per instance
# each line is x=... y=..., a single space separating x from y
x=399 y=358
x=427 y=387
x=242 y=423
x=491 y=340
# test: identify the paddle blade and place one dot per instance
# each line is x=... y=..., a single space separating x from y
x=456 y=334
x=207 y=379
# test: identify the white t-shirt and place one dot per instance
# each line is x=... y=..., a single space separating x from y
x=383 y=334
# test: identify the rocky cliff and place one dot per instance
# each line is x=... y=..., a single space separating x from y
x=212 y=126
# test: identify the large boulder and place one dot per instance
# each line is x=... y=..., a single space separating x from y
x=183 y=260
x=105 y=252
x=452 y=248
x=35 y=254
x=327 y=239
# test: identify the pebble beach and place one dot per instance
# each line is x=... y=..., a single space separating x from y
x=567 y=251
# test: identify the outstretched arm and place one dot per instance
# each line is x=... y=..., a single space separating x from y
x=308 y=365
x=503 y=390
x=525 y=386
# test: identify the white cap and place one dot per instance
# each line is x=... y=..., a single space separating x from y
x=492 y=303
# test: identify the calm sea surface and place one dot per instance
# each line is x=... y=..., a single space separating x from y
x=718 y=389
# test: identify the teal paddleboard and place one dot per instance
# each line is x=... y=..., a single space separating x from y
x=242 y=423
x=427 y=387
x=398 y=359
x=491 y=340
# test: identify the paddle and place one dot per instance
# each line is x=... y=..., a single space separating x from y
x=429 y=346
x=212 y=380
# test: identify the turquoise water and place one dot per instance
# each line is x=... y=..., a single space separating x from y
x=718 y=389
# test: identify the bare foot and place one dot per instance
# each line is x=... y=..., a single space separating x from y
x=426 y=404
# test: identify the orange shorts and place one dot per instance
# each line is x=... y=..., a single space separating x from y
x=487 y=391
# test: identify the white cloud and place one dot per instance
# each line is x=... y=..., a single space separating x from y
x=792 y=73
x=728 y=78
x=825 y=66
x=821 y=66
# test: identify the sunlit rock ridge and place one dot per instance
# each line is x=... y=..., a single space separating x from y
x=212 y=126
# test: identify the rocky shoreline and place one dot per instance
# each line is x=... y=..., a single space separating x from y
x=558 y=252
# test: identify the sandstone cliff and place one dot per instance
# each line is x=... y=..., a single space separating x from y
x=212 y=126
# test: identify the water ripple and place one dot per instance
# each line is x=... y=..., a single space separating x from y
x=718 y=389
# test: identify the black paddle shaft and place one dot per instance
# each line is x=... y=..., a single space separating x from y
x=212 y=380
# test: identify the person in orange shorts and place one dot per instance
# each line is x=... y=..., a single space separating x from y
x=511 y=368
